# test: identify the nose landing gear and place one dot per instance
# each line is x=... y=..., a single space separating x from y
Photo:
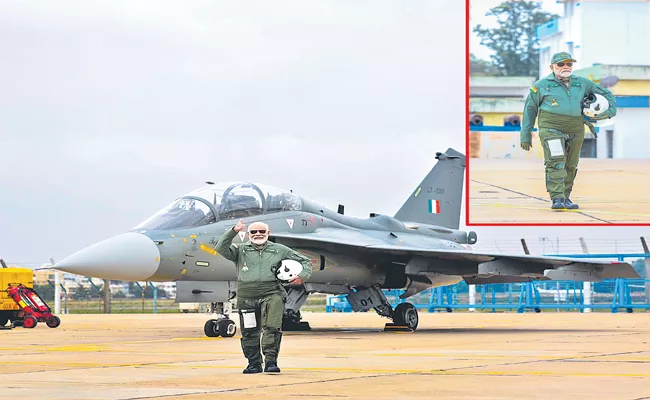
x=223 y=326
x=220 y=327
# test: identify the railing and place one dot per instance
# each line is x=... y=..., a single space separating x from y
x=613 y=294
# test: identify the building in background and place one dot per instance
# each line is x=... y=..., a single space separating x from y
x=496 y=104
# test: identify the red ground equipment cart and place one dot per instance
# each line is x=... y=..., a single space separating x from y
x=32 y=307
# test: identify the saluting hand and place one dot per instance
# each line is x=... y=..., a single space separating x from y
x=240 y=226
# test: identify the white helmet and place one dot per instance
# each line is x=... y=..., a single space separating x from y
x=594 y=105
x=288 y=269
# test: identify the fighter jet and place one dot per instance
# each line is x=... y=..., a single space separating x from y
x=418 y=248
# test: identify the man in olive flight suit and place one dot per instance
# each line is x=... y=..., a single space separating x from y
x=556 y=101
x=260 y=295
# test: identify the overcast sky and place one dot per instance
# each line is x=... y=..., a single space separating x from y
x=111 y=109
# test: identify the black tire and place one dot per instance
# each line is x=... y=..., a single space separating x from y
x=226 y=327
x=210 y=328
x=53 y=322
x=407 y=315
x=4 y=318
x=13 y=316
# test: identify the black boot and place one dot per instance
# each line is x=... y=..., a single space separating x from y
x=253 y=369
x=569 y=205
x=271 y=366
x=558 y=204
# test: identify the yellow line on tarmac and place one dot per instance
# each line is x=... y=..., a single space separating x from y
x=425 y=371
x=548 y=209
x=184 y=366
x=547 y=373
x=102 y=346
x=71 y=364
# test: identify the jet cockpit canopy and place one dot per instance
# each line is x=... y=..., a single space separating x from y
x=221 y=201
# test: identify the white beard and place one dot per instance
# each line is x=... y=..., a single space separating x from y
x=565 y=74
x=259 y=241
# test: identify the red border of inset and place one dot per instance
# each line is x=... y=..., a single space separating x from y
x=467 y=157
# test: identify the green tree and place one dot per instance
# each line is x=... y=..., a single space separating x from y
x=81 y=292
x=45 y=291
x=515 y=42
x=148 y=291
x=480 y=67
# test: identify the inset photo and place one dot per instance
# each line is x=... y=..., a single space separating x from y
x=559 y=117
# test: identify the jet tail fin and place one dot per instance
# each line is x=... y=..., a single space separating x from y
x=437 y=200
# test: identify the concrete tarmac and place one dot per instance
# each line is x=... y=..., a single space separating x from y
x=514 y=191
x=451 y=356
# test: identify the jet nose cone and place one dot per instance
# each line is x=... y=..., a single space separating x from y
x=129 y=257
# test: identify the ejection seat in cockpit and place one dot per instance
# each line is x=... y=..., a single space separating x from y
x=239 y=206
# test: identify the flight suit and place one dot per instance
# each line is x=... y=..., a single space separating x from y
x=260 y=293
x=561 y=130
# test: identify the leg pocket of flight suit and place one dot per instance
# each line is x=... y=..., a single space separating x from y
x=249 y=314
x=554 y=143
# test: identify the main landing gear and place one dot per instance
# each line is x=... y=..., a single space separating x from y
x=222 y=326
x=404 y=316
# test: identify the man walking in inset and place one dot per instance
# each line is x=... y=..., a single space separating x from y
x=556 y=101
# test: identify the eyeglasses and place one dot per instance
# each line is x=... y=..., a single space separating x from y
x=561 y=64
x=254 y=231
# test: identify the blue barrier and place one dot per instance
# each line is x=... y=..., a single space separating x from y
x=620 y=294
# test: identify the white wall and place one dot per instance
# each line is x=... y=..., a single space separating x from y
x=631 y=128
x=615 y=33
x=631 y=133
x=602 y=33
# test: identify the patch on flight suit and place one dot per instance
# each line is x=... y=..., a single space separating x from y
x=533 y=88
x=555 y=147
x=554 y=102
x=249 y=319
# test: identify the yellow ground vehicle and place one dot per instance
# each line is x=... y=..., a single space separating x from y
x=12 y=276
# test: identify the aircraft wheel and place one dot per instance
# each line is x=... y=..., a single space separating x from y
x=53 y=321
x=29 y=322
x=210 y=328
x=406 y=314
x=226 y=327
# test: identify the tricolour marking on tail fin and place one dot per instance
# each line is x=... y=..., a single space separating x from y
x=437 y=200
